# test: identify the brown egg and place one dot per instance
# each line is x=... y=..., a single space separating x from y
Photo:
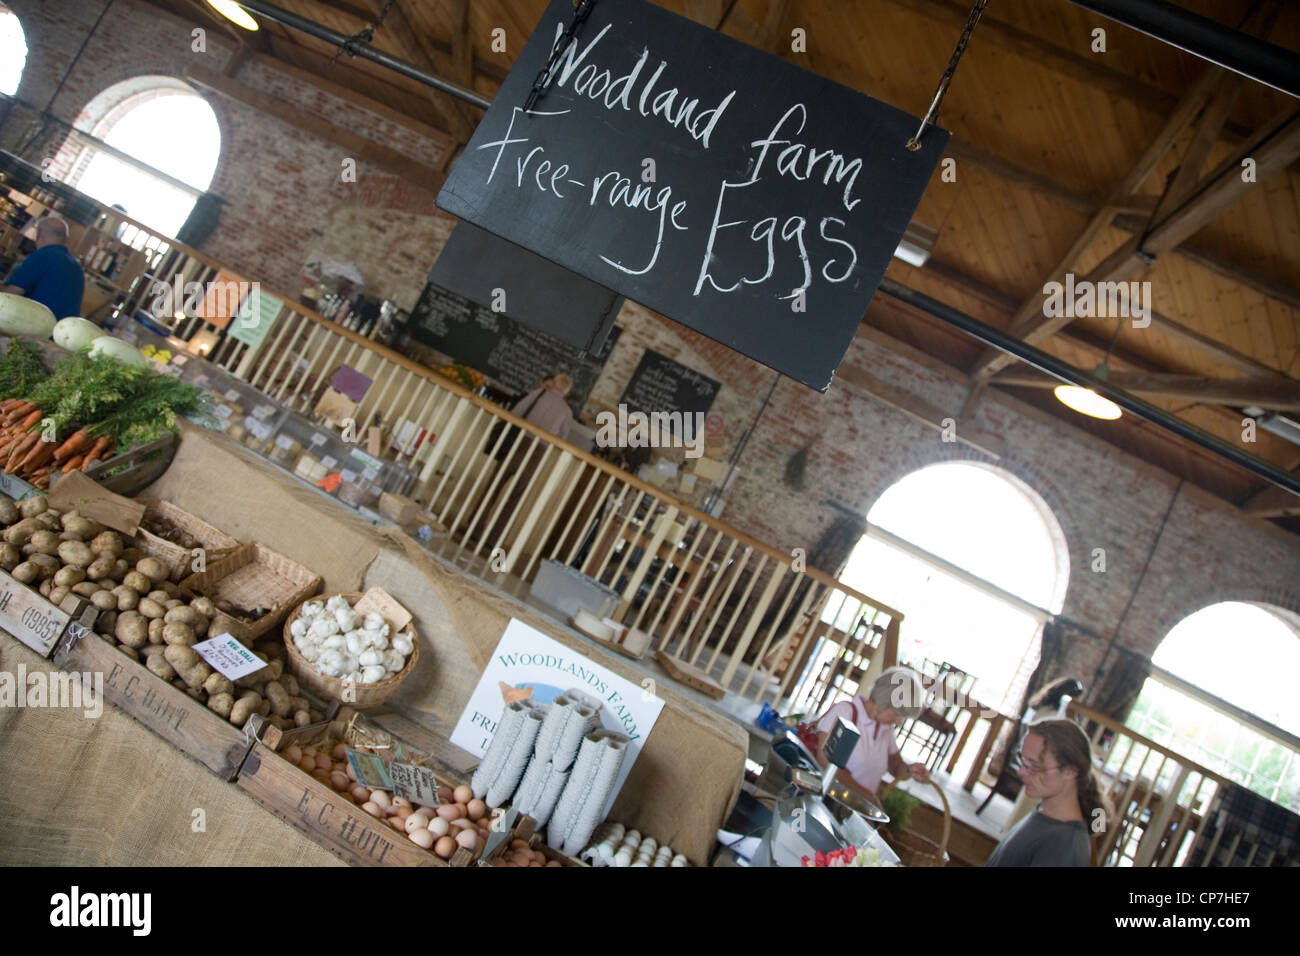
x=309 y=752
x=402 y=802
x=445 y=847
x=404 y=812
x=416 y=821
x=360 y=793
x=463 y=794
x=292 y=753
x=468 y=840
x=338 y=780
x=307 y=763
x=429 y=812
x=450 y=811
x=461 y=825
x=519 y=844
x=372 y=809
x=323 y=762
x=381 y=798
x=445 y=793
x=439 y=826
x=554 y=863
x=322 y=776
x=422 y=838
x=340 y=751
x=397 y=823
x=352 y=774
x=476 y=809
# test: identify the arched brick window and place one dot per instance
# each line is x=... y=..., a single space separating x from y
x=13 y=51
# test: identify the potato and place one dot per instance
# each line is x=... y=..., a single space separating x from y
x=153 y=569
x=46 y=542
x=245 y=707
x=48 y=564
x=26 y=572
x=265 y=709
x=156 y=630
x=178 y=634
x=101 y=568
x=137 y=582
x=19 y=534
x=180 y=656
x=87 y=588
x=74 y=553
x=201 y=627
x=173 y=590
x=132 y=629
x=158 y=665
x=301 y=718
x=151 y=608
x=9 y=513
x=10 y=557
x=278 y=697
x=107 y=542
x=182 y=614
x=85 y=528
x=127 y=598
x=58 y=593
x=222 y=704
x=158 y=595
x=67 y=577
x=195 y=693
x=105 y=601
x=291 y=685
x=46 y=584
x=178 y=684
x=132 y=554
x=120 y=568
x=33 y=506
x=219 y=683
x=316 y=716
x=129 y=652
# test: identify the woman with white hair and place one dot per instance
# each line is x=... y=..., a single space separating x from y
x=897 y=695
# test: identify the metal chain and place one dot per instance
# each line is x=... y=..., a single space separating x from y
x=582 y=10
x=932 y=114
x=354 y=43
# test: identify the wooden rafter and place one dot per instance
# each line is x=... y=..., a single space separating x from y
x=1264 y=392
x=1272 y=502
x=414 y=45
x=462 y=47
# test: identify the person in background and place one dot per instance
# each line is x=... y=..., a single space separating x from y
x=1056 y=767
x=1051 y=702
x=897 y=695
x=547 y=405
x=51 y=275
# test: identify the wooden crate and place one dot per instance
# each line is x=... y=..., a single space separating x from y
x=32 y=619
x=215 y=542
x=250 y=576
x=177 y=718
x=314 y=809
x=139 y=467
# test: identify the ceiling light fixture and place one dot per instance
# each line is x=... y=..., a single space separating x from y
x=916 y=245
x=1084 y=400
x=234 y=13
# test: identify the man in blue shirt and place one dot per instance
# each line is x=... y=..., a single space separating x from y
x=51 y=275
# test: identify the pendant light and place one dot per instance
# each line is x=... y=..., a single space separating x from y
x=1084 y=400
x=233 y=12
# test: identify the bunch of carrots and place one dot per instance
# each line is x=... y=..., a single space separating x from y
x=26 y=454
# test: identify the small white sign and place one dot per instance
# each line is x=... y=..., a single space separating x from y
x=223 y=411
x=329 y=462
x=232 y=395
x=317 y=439
x=416 y=784
x=284 y=441
x=264 y=411
x=228 y=656
x=349 y=475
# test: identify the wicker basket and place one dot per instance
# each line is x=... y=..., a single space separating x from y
x=253 y=576
x=912 y=848
x=367 y=695
x=216 y=543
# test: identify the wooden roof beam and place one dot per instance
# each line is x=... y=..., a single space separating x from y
x=1264 y=392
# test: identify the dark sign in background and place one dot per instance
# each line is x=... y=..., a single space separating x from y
x=661 y=385
x=753 y=201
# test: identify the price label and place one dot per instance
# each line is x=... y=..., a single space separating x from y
x=228 y=656
x=317 y=439
x=369 y=474
x=368 y=460
x=223 y=411
x=29 y=617
x=284 y=441
x=416 y=784
x=329 y=462
x=370 y=770
x=379 y=601
x=348 y=475
x=232 y=395
x=264 y=411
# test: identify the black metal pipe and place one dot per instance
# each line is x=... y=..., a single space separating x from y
x=1209 y=39
x=310 y=27
x=1068 y=373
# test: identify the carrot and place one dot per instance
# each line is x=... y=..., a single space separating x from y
x=19 y=450
x=17 y=414
x=9 y=404
x=32 y=419
x=77 y=442
x=39 y=454
x=99 y=449
x=73 y=463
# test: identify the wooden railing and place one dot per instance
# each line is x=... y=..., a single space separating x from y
x=1162 y=799
x=708 y=594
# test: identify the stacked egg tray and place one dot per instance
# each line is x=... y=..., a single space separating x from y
x=615 y=845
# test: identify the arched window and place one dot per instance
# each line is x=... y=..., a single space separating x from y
x=165 y=147
x=13 y=51
x=1224 y=695
x=1002 y=562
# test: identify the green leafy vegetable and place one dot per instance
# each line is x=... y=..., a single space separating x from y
x=899 y=804
x=21 y=369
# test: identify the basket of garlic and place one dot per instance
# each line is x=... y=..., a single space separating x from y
x=347 y=656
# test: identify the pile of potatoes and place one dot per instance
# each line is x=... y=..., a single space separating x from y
x=141 y=611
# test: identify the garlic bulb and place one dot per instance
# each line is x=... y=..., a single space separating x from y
x=370 y=658
x=298 y=628
x=374 y=621
x=337 y=603
x=403 y=644
x=355 y=641
x=392 y=660
x=373 y=674
x=335 y=643
x=378 y=641
x=324 y=627
x=346 y=618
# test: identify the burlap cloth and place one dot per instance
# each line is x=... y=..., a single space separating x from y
x=101 y=803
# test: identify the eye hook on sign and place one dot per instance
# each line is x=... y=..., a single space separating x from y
x=582 y=10
x=932 y=113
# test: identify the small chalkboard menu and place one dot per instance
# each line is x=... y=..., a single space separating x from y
x=753 y=201
x=515 y=355
x=661 y=385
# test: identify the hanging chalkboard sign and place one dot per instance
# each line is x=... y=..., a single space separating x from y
x=749 y=199
x=515 y=355
x=661 y=385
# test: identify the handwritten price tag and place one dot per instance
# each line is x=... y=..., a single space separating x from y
x=416 y=784
x=379 y=601
x=228 y=656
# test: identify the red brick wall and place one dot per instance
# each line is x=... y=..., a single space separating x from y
x=285 y=193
